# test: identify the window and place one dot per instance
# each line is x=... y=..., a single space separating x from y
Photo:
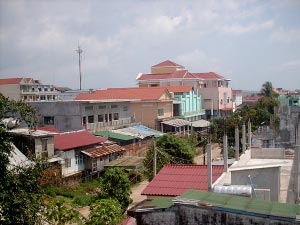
x=67 y=163
x=45 y=89
x=49 y=120
x=102 y=107
x=106 y=118
x=40 y=89
x=90 y=119
x=125 y=108
x=160 y=112
x=114 y=106
x=94 y=165
x=110 y=117
x=79 y=159
x=51 y=89
x=228 y=100
x=100 y=118
x=84 y=120
x=43 y=97
x=89 y=108
x=116 y=116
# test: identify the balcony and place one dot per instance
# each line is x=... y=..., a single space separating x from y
x=115 y=124
x=193 y=113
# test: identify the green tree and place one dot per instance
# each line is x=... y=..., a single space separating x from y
x=56 y=212
x=115 y=184
x=267 y=89
x=170 y=149
x=105 y=212
x=20 y=193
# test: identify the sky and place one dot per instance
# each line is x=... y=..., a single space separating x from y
x=247 y=41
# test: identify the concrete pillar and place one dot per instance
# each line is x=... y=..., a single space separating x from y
x=237 y=143
x=225 y=153
x=244 y=138
x=249 y=134
x=209 y=167
x=296 y=166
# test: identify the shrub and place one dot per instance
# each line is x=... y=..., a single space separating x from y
x=83 y=200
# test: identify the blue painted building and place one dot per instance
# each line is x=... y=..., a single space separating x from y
x=187 y=104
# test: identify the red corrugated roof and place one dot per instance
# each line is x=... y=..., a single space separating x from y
x=175 y=179
x=10 y=81
x=168 y=63
x=179 y=89
x=141 y=93
x=49 y=128
x=161 y=76
x=209 y=75
x=71 y=140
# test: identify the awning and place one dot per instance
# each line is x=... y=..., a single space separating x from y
x=103 y=150
x=201 y=123
x=177 y=123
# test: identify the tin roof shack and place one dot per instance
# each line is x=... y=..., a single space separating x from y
x=270 y=171
x=200 y=207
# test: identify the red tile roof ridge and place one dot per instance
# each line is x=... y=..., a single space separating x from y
x=167 y=63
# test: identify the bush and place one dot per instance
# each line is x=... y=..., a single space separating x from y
x=83 y=200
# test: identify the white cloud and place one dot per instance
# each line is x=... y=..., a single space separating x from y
x=286 y=35
x=237 y=29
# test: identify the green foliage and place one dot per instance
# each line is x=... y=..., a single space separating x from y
x=83 y=200
x=58 y=213
x=170 y=149
x=20 y=193
x=105 y=212
x=115 y=184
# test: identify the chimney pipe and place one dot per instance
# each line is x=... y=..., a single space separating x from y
x=209 y=167
x=244 y=138
x=225 y=153
x=237 y=143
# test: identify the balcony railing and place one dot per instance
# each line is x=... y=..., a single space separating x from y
x=99 y=126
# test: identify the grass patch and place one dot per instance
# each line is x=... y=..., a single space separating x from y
x=83 y=200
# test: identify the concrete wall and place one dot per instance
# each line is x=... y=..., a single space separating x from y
x=158 y=70
x=262 y=178
x=50 y=146
x=67 y=115
x=12 y=91
x=147 y=112
x=192 y=215
x=267 y=153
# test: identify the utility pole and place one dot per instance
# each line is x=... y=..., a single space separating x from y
x=79 y=51
x=154 y=158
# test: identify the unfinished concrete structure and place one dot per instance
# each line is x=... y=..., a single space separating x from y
x=273 y=172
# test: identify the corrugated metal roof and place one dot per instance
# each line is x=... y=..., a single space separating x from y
x=70 y=140
x=177 y=123
x=174 y=180
x=200 y=123
x=244 y=203
x=114 y=135
x=139 y=131
x=103 y=150
x=130 y=162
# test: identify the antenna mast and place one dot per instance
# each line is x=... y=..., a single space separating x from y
x=79 y=51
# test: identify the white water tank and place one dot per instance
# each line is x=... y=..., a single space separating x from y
x=243 y=190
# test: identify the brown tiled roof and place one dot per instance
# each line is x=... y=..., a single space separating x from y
x=103 y=150
x=179 y=89
x=10 y=81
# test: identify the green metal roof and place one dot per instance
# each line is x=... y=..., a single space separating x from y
x=244 y=203
x=163 y=202
x=114 y=135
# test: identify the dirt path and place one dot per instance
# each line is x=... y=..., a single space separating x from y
x=216 y=154
x=137 y=190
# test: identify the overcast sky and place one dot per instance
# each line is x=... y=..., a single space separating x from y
x=249 y=42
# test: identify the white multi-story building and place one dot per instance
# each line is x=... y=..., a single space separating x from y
x=27 y=89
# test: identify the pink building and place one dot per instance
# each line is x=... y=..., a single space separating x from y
x=213 y=88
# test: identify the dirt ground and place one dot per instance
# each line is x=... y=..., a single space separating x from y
x=216 y=154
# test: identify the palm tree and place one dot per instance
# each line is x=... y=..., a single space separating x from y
x=267 y=89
